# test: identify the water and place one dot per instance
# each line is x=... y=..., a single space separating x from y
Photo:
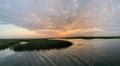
x=97 y=52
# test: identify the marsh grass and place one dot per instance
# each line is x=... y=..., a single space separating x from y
x=33 y=44
x=7 y=43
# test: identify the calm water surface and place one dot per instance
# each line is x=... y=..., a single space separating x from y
x=97 y=52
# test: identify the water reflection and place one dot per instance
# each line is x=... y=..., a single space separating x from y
x=97 y=52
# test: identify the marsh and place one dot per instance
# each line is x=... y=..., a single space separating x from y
x=59 y=32
x=83 y=52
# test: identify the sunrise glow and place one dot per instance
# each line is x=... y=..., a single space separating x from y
x=61 y=18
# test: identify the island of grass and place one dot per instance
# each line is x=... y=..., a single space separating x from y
x=33 y=44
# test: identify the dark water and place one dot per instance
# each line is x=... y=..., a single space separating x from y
x=97 y=52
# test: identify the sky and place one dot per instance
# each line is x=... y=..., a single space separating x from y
x=59 y=18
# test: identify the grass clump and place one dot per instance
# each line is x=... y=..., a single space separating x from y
x=33 y=44
x=42 y=44
x=7 y=43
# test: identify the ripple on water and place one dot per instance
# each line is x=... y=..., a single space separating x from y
x=90 y=53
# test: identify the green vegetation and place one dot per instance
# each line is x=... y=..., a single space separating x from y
x=7 y=43
x=33 y=44
x=37 y=44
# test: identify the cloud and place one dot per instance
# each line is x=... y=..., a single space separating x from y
x=51 y=16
